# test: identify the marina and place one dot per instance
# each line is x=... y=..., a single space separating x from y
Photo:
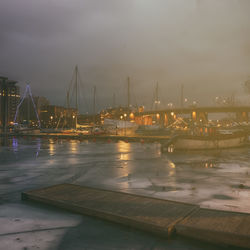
x=125 y=125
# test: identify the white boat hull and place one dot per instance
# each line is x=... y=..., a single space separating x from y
x=209 y=143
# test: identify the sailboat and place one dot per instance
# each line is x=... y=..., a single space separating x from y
x=73 y=91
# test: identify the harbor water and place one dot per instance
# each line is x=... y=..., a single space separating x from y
x=218 y=179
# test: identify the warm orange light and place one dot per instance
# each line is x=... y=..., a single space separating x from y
x=194 y=115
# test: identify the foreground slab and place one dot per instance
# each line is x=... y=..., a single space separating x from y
x=222 y=227
x=150 y=214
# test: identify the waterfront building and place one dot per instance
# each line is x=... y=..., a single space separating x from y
x=27 y=113
x=119 y=113
x=9 y=99
x=52 y=116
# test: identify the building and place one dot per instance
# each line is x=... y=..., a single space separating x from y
x=28 y=111
x=9 y=99
x=52 y=116
x=118 y=113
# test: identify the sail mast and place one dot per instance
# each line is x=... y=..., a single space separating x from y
x=76 y=70
x=157 y=96
x=76 y=85
x=94 y=103
x=128 y=92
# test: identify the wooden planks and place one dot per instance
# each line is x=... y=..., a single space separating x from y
x=153 y=215
x=222 y=227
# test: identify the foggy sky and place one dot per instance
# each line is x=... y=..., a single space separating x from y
x=202 y=44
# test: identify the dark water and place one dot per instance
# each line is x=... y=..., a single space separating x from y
x=216 y=179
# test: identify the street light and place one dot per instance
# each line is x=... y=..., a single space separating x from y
x=51 y=118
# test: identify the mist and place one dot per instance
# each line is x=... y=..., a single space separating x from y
x=203 y=45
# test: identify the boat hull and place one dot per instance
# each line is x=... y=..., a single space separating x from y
x=201 y=143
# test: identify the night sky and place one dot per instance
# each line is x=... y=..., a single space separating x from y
x=202 y=44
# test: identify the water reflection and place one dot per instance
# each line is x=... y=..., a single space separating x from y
x=74 y=146
x=14 y=144
x=4 y=141
x=51 y=147
x=124 y=149
x=38 y=146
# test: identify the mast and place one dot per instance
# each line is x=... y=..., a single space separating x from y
x=76 y=97
x=76 y=83
x=114 y=104
x=182 y=90
x=68 y=99
x=28 y=111
x=94 y=103
x=128 y=92
x=157 y=95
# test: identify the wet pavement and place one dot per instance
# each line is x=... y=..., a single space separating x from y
x=214 y=179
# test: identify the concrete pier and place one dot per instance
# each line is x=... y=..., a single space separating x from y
x=158 y=216
x=222 y=227
x=149 y=214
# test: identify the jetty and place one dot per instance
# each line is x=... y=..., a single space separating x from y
x=158 y=216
